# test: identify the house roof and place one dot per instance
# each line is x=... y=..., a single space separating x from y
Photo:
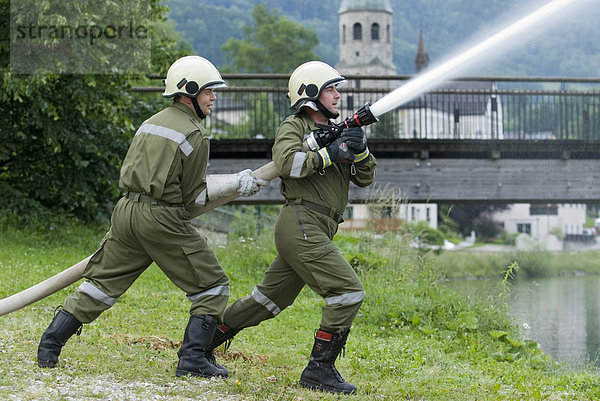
x=464 y=103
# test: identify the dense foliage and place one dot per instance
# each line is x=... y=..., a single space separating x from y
x=208 y=25
x=271 y=44
x=63 y=136
x=568 y=49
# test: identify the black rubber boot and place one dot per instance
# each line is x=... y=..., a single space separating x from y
x=321 y=374
x=63 y=326
x=192 y=354
x=222 y=334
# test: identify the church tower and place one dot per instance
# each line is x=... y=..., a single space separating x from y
x=366 y=38
x=422 y=58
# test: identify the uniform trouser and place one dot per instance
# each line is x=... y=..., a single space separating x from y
x=306 y=256
x=141 y=233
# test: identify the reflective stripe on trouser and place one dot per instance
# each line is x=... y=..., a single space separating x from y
x=134 y=241
x=314 y=261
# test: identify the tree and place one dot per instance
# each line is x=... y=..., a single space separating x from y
x=273 y=45
x=470 y=216
x=63 y=136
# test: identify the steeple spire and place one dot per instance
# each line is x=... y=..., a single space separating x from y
x=422 y=58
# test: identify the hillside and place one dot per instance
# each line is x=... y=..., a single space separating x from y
x=569 y=49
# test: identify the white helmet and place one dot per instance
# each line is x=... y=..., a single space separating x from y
x=189 y=75
x=308 y=81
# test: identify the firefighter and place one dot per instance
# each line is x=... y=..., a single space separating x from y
x=315 y=185
x=163 y=172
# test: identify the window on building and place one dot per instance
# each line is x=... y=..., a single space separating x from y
x=357 y=31
x=375 y=31
x=343 y=33
x=543 y=209
x=387 y=34
x=524 y=228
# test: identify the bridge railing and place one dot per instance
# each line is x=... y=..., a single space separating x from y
x=253 y=106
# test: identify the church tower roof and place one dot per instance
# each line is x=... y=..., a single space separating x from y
x=365 y=5
x=422 y=58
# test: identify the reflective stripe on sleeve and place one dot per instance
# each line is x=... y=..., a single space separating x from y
x=265 y=301
x=344 y=299
x=326 y=160
x=95 y=293
x=218 y=290
x=362 y=156
x=168 y=133
x=297 y=164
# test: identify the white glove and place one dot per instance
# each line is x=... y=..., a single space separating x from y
x=249 y=185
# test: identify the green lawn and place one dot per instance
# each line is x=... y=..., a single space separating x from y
x=413 y=340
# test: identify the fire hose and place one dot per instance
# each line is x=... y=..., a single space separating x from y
x=326 y=134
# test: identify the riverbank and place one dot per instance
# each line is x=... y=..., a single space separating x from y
x=413 y=339
x=491 y=260
x=494 y=248
x=562 y=314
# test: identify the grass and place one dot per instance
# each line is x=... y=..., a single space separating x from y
x=413 y=339
x=473 y=264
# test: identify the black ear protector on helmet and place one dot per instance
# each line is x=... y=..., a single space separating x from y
x=193 y=90
x=312 y=91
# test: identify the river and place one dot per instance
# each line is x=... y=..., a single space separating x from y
x=562 y=314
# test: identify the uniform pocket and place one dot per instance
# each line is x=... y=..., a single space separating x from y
x=204 y=264
x=97 y=256
x=193 y=247
x=315 y=252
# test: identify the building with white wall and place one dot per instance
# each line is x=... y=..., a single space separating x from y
x=362 y=216
x=542 y=220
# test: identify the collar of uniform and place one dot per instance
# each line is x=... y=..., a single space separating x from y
x=309 y=121
x=184 y=108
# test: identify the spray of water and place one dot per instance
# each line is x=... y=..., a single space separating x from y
x=516 y=33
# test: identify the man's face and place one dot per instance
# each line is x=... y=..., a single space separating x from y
x=329 y=98
x=206 y=99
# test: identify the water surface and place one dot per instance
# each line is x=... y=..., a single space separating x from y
x=562 y=314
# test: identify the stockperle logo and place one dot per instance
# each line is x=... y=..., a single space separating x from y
x=88 y=33
x=79 y=37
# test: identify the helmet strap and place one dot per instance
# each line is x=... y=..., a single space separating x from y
x=328 y=114
x=199 y=112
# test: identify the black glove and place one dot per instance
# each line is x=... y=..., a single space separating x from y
x=355 y=138
x=335 y=152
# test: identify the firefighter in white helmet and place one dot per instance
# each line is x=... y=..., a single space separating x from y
x=163 y=173
x=315 y=185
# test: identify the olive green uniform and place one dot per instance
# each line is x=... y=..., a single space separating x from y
x=164 y=171
x=303 y=236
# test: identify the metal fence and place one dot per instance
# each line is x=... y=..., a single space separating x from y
x=253 y=106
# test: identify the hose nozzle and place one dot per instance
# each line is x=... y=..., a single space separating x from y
x=361 y=118
x=326 y=134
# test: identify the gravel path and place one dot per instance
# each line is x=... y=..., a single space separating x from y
x=45 y=386
x=21 y=380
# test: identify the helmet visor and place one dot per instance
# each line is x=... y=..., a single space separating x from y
x=215 y=85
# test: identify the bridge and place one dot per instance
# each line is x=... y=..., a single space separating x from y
x=484 y=139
